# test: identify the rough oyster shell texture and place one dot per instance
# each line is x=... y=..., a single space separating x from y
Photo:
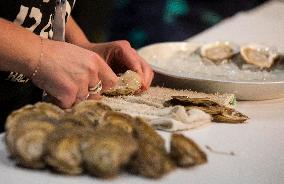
x=219 y=112
x=89 y=137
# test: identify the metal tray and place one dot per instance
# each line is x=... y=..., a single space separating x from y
x=243 y=90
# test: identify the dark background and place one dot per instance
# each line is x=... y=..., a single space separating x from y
x=143 y=22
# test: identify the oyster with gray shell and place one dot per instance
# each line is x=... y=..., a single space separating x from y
x=219 y=112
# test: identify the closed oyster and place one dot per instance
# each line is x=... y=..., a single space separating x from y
x=150 y=161
x=145 y=133
x=118 y=120
x=259 y=55
x=218 y=51
x=107 y=151
x=90 y=110
x=128 y=83
x=29 y=141
x=219 y=112
x=18 y=118
x=185 y=152
x=63 y=152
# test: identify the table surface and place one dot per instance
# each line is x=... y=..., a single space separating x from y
x=258 y=144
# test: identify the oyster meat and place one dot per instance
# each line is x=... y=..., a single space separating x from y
x=218 y=51
x=219 y=112
x=185 y=152
x=128 y=83
x=258 y=55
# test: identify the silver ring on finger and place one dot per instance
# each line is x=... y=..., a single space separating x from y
x=87 y=96
x=96 y=89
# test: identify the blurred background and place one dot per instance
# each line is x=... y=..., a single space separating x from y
x=143 y=22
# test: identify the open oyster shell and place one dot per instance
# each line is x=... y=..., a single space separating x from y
x=218 y=52
x=259 y=55
x=219 y=112
x=186 y=152
x=128 y=83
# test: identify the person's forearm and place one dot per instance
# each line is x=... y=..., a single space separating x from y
x=19 y=48
x=75 y=35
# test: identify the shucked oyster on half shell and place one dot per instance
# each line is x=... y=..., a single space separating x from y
x=128 y=83
x=219 y=51
x=259 y=55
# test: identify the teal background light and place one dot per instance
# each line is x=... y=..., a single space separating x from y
x=175 y=8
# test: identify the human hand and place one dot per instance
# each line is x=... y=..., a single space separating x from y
x=66 y=72
x=120 y=56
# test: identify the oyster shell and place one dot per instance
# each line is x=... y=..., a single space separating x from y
x=63 y=152
x=118 y=120
x=29 y=141
x=258 y=55
x=90 y=110
x=150 y=161
x=18 y=118
x=185 y=152
x=219 y=112
x=107 y=151
x=218 y=51
x=145 y=133
x=128 y=83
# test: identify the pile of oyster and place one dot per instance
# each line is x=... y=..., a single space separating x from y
x=248 y=56
x=92 y=138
